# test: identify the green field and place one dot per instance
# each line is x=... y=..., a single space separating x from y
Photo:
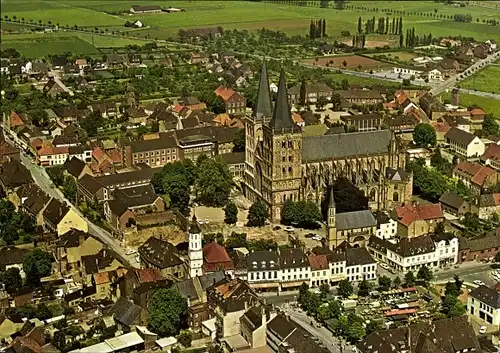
x=489 y=105
x=248 y=15
x=486 y=80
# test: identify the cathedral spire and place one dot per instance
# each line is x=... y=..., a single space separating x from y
x=282 y=117
x=263 y=107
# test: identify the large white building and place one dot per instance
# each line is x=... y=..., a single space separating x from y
x=409 y=254
x=464 y=143
x=484 y=303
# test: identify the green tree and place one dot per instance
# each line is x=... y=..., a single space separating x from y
x=424 y=135
x=355 y=330
x=69 y=188
x=336 y=308
x=12 y=280
x=305 y=213
x=36 y=264
x=335 y=100
x=56 y=174
x=43 y=312
x=345 y=289
x=213 y=183
x=409 y=279
x=324 y=290
x=303 y=92
x=384 y=283
x=472 y=222
x=185 y=338
x=348 y=197
x=364 y=288
x=236 y=240
x=167 y=312
x=230 y=213
x=497 y=257
x=490 y=126
x=239 y=141
x=374 y=326
x=321 y=102
x=257 y=214
x=324 y=314
x=452 y=307
x=424 y=274
x=396 y=282
x=92 y=123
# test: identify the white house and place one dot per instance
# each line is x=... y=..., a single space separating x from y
x=273 y=88
x=138 y=24
x=484 y=303
x=263 y=269
x=409 y=254
x=386 y=227
x=49 y=156
x=435 y=75
x=295 y=268
x=411 y=71
x=360 y=265
x=464 y=143
x=320 y=270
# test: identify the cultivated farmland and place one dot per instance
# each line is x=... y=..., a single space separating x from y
x=486 y=80
x=348 y=62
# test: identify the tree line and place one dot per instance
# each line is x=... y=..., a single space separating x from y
x=383 y=25
x=317 y=29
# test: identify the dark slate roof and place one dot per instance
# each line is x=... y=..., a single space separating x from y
x=117 y=207
x=74 y=166
x=137 y=196
x=451 y=199
x=458 y=135
x=397 y=174
x=123 y=178
x=159 y=252
x=293 y=258
x=155 y=144
x=90 y=184
x=55 y=211
x=125 y=312
x=264 y=106
x=262 y=260
x=358 y=256
x=281 y=326
x=94 y=263
x=82 y=293
x=450 y=335
x=193 y=226
x=233 y=158
x=282 y=121
x=328 y=147
x=14 y=174
x=355 y=219
x=11 y=255
x=414 y=246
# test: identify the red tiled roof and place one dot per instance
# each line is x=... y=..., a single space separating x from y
x=224 y=92
x=146 y=275
x=297 y=119
x=15 y=120
x=101 y=278
x=475 y=172
x=178 y=108
x=441 y=127
x=492 y=152
x=318 y=262
x=215 y=258
x=476 y=111
x=410 y=213
x=98 y=153
x=115 y=156
x=390 y=105
x=50 y=150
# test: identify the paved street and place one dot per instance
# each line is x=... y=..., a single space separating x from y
x=480 y=93
x=43 y=181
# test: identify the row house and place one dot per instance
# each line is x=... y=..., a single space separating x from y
x=155 y=152
x=361 y=97
x=477 y=177
x=48 y=156
x=415 y=220
x=409 y=254
x=484 y=248
x=491 y=157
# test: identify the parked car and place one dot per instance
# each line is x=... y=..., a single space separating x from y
x=310 y=235
x=482 y=329
x=289 y=229
x=479 y=283
x=277 y=228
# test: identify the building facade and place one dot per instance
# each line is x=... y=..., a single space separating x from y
x=281 y=164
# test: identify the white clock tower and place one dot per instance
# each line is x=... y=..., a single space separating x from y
x=195 y=250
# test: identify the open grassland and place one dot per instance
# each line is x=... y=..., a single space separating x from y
x=248 y=15
x=34 y=45
x=486 y=80
x=397 y=55
x=489 y=105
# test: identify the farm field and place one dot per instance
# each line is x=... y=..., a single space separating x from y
x=486 y=80
x=397 y=55
x=351 y=61
x=489 y=105
x=33 y=45
x=248 y=15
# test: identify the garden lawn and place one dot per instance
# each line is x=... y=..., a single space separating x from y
x=486 y=80
x=43 y=45
x=489 y=105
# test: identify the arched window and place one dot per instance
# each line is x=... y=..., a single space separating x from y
x=395 y=196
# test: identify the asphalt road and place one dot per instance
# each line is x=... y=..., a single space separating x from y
x=480 y=93
x=43 y=181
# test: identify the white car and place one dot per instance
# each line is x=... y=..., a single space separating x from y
x=482 y=329
x=289 y=229
x=384 y=265
x=130 y=252
x=479 y=283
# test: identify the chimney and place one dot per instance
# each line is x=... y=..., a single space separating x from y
x=246 y=305
x=263 y=315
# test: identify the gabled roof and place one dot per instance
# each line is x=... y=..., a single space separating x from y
x=159 y=252
x=293 y=258
x=74 y=166
x=355 y=220
x=492 y=152
x=55 y=211
x=318 y=262
x=451 y=199
x=409 y=213
x=11 y=255
x=487 y=295
x=460 y=136
x=474 y=172
x=125 y=312
x=225 y=92
x=14 y=174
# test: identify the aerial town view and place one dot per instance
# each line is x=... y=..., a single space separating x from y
x=253 y=176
